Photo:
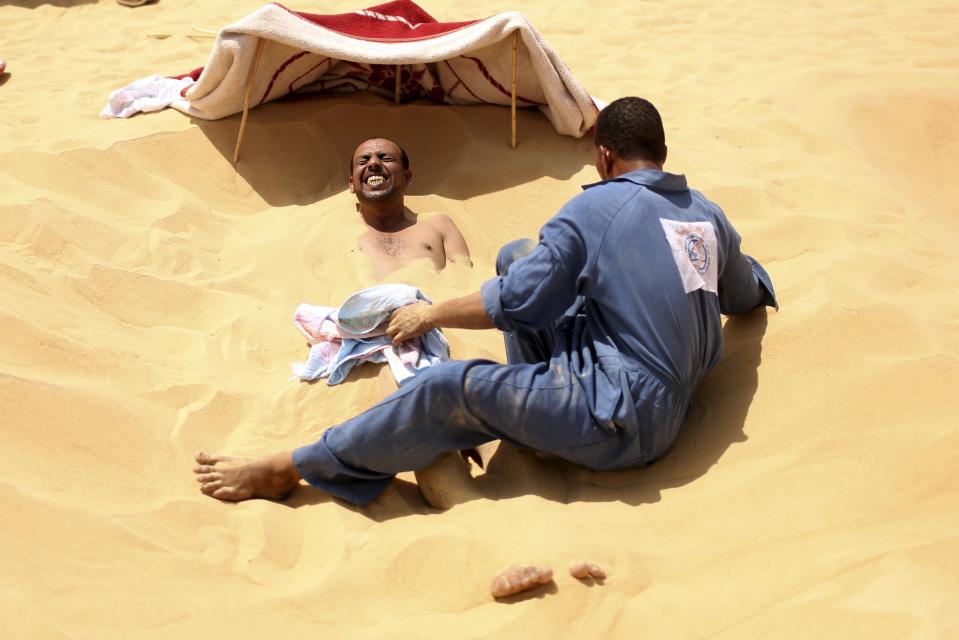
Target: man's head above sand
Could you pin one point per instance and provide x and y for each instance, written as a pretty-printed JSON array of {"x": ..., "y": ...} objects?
[
  {"x": 379, "y": 172},
  {"x": 379, "y": 176}
]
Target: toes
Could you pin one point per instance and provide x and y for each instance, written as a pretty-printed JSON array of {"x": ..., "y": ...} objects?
[
  {"x": 209, "y": 488},
  {"x": 216, "y": 489},
  {"x": 210, "y": 458},
  {"x": 229, "y": 493},
  {"x": 208, "y": 477},
  {"x": 203, "y": 468}
]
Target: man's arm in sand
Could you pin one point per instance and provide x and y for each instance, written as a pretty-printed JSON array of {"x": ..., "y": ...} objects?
[
  {"x": 454, "y": 244},
  {"x": 414, "y": 320}
]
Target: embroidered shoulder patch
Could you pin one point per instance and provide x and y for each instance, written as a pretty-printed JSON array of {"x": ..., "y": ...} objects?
[{"x": 695, "y": 251}]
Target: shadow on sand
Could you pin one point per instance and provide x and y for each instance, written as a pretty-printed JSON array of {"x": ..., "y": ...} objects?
[
  {"x": 714, "y": 423},
  {"x": 34, "y": 4},
  {"x": 297, "y": 150}
]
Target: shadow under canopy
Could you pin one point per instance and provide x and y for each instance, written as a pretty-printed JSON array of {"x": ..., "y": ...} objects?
[{"x": 297, "y": 150}]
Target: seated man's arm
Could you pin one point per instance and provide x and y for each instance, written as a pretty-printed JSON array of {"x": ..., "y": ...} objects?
[
  {"x": 414, "y": 320},
  {"x": 535, "y": 291},
  {"x": 744, "y": 283},
  {"x": 538, "y": 288},
  {"x": 454, "y": 244}
]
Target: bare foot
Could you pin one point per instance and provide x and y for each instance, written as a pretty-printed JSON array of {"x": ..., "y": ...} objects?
[
  {"x": 584, "y": 570},
  {"x": 447, "y": 482},
  {"x": 235, "y": 479},
  {"x": 515, "y": 579}
]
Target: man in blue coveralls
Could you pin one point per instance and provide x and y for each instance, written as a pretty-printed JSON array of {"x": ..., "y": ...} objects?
[{"x": 611, "y": 321}]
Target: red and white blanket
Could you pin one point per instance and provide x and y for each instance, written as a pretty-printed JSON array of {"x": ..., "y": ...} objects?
[{"x": 448, "y": 62}]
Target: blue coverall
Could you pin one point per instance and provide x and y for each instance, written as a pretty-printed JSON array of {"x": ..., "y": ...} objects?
[{"x": 611, "y": 321}]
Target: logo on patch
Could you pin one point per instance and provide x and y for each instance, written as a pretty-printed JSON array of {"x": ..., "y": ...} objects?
[
  {"x": 693, "y": 247},
  {"x": 697, "y": 251}
]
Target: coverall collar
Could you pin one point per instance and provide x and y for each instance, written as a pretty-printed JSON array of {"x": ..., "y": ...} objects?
[{"x": 652, "y": 178}]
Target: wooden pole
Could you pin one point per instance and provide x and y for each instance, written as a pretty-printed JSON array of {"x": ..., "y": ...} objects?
[
  {"x": 396, "y": 97},
  {"x": 246, "y": 102},
  {"x": 512, "y": 98}
]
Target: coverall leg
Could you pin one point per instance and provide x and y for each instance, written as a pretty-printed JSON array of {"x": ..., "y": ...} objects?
[{"x": 458, "y": 405}]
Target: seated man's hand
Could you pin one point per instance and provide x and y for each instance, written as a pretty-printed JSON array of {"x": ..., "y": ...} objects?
[{"x": 410, "y": 322}]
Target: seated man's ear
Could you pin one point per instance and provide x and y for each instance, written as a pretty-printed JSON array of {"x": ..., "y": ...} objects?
[
  {"x": 604, "y": 161},
  {"x": 409, "y": 176},
  {"x": 352, "y": 188}
]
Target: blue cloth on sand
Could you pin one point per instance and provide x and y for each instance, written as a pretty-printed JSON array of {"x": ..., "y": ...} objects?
[{"x": 360, "y": 323}]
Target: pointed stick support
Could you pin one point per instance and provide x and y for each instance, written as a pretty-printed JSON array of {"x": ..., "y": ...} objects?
[
  {"x": 396, "y": 96},
  {"x": 512, "y": 97},
  {"x": 246, "y": 102}
]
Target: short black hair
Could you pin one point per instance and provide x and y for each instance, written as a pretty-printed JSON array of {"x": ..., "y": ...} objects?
[
  {"x": 404, "y": 159},
  {"x": 633, "y": 128}
]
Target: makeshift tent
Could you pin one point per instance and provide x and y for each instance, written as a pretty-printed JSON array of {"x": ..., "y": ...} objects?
[{"x": 396, "y": 49}]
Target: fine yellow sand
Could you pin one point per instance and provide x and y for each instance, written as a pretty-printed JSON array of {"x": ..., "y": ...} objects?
[{"x": 147, "y": 287}]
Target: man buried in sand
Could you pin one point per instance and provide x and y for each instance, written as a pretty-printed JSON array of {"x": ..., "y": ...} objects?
[
  {"x": 611, "y": 321},
  {"x": 379, "y": 175}
]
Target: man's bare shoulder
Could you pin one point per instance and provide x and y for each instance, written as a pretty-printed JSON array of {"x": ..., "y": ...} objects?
[
  {"x": 454, "y": 244},
  {"x": 429, "y": 224},
  {"x": 439, "y": 221}
]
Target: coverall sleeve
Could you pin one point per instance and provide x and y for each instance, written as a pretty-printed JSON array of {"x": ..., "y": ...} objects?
[
  {"x": 744, "y": 283},
  {"x": 540, "y": 287}
]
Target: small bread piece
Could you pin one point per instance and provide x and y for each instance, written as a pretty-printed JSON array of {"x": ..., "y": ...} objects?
[
  {"x": 583, "y": 570},
  {"x": 514, "y": 579}
]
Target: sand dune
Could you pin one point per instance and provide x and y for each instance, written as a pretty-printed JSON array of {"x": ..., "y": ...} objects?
[{"x": 147, "y": 287}]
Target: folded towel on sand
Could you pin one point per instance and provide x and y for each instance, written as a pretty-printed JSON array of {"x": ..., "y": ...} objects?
[
  {"x": 448, "y": 62},
  {"x": 356, "y": 332},
  {"x": 145, "y": 95}
]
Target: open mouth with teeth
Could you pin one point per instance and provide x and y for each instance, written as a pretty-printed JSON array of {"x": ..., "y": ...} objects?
[{"x": 375, "y": 180}]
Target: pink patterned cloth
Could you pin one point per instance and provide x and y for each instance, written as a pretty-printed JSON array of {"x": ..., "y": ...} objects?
[{"x": 334, "y": 351}]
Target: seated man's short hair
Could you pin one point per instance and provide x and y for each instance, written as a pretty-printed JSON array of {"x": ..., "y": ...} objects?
[{"x": 633, "y": 128}]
